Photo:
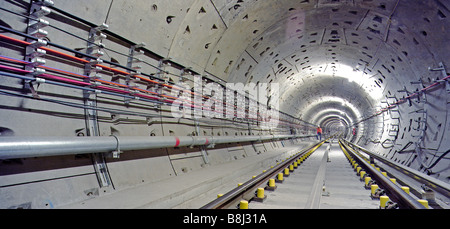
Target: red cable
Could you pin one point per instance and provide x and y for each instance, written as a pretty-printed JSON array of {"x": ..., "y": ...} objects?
[
  {"x": 110, "y": 69},
  {"x": 14, "y": 39},
  {"x": 48, "y": 76},
  {"x": 49, "y": 50}
]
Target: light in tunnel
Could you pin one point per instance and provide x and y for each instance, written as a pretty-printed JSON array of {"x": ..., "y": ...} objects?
[
  {"x": 337, "y": 100},
  {"x": 355, "y": 75},
  {"x": 335, "y": 125},
  {"x": 331, "y": 111}
]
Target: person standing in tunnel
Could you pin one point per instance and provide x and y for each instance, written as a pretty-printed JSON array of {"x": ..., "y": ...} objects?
[{"x": 319, "y": 133}]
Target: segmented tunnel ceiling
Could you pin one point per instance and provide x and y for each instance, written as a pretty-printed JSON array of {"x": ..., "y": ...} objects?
[
  {"x": 357, "y": 52},
  {"x": 310, "y": 47},
  {"x": 337, "y": 62},
  {"x": 314, "y": 47}
]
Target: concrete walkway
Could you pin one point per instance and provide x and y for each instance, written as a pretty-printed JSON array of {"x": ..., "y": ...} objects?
[
  {"x": 192, "y": 190},
  {"x": 345, "y": 189}
]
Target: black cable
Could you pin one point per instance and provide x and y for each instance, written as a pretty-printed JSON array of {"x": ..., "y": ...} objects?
[
  {"x": 105, "y": 61},
  {"x": 437, "y": 161},
  {"x": 75, "y": 105},
  {"x": 31, "y": 79},
  {"x": 404, "y": 148},
  {"x": 152, "y": 53},
  {"x": 117, "y": 111},
  {"x": 84, "y": 54}
]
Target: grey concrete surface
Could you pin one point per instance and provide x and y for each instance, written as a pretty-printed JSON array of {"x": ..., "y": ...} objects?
[
  {"x": 192, "y": 190},
  {"x": 337, "y": 64},
  {"x": 343, "y": 189}
]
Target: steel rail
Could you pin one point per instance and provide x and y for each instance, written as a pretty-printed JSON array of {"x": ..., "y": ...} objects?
[
  {"x": 27, "y": 147},
  {"x": 248, "y": 188},
  {"x": 431, "y": 182},
  {"x": 395, "y": 192}
]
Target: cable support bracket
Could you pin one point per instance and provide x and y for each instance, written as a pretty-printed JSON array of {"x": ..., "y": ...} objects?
[
  {"x": 445, "y": 75},
  {"x": 116, "y": 153},
  {"x": 34, "y": 55}
]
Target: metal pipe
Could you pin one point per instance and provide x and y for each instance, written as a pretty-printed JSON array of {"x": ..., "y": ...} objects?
[{"x": 26, "y": 147}]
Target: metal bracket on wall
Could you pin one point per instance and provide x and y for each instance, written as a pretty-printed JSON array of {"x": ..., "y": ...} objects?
[
  {"x": 91, "y": 69},
  {"x": 101, "y": 170},
  {"x": 33, "y": 54},
  {"x": 422, "y": 130},
  {"x": 185, "y": 72},
  {"x": 407, "y": 94},
  {"x": 202, "y": 148},
  {"x": 133, "y": 63},
  {"x": 445, "y": 75},
  {"x": 441, "y": 68},
  {"x": 161, "y": 72},
  {"x": 116, "y": 153}
]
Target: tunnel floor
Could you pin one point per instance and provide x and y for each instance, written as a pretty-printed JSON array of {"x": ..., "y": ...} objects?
[
  {"x": 191, "y": 190},
  {"x": 343, "y": 189}
]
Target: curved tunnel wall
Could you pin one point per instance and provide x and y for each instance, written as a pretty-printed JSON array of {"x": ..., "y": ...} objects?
[{"x": 332, "y": 61}]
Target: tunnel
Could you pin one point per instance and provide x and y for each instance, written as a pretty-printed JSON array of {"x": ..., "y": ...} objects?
[{"x": 103, "y": 101}]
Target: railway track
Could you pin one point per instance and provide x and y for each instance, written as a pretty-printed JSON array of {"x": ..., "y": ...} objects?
[
  {"x": 246, "y": 191},
  {"x": 331, "y": 174}
]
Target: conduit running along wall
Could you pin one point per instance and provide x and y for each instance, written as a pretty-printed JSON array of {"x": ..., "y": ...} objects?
[{"x": 26, "y": 147}]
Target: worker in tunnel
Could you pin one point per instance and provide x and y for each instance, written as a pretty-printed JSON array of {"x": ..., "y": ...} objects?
[{"x": 319, "y": 133}]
